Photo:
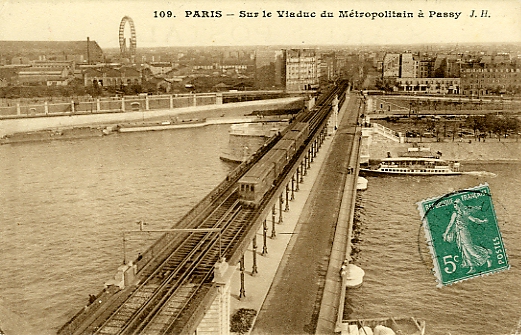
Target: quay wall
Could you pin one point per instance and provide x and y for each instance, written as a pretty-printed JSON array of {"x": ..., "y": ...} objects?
[
  {"x": 30, "y": 124},
  {"x": 491, "y": 150}
]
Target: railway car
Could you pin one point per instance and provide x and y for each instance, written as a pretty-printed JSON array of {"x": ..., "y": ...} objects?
[
  {"x": 303, "y": 129},
  {"x": 299, "y": 132},
  {"x": 287, "y": 146},
  {"x": 261, "y": 177},
  {"x": 252, "y": 186}
]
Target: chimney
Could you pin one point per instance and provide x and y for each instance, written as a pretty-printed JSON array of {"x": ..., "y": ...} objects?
[{"x": 88, "y": 50}]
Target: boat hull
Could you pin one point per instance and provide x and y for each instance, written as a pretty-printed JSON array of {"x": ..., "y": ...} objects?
[
  {"x": 403, "y": 325},
  {"x": 377, "y": 173}
]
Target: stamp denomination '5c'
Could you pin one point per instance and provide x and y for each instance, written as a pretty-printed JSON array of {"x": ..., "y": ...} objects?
[{"x": 463, "y": 235}]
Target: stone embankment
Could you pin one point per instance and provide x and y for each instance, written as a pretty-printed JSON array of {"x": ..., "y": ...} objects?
[
  {"x": 238, "y": 109},
  {"x": 491, "y": 150}
]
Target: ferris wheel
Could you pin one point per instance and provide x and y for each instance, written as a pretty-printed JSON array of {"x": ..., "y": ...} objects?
[{"x": 130, "y": 50}]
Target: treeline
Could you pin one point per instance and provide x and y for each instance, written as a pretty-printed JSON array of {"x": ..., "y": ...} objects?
[
  {"x": 500, "y": 125},
  {"x": 17, "y": 92},
  {"x": 72, "y": 90}
]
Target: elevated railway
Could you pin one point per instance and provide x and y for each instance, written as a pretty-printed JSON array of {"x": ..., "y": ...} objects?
[{"x": 174, "y": 283}]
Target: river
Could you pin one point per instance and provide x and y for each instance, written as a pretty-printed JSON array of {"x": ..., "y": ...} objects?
[
  {"x": 65, "y": 204},
  {"x": 393, "y": 252}
]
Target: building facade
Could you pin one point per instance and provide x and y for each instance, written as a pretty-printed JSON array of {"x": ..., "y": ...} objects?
[
  {"x": 404, "y": 65},
  {"x": 425, "y": 68},
  {"x": 268, "y": 68},
  {"x": 301, "y": 72},
  {"x": 111, "y": 77},
  {"x": 408, "y": 66},
  {"x": 497, "y": 80},
  {"x": 328, "y": 67},
  {"x": 391, "y": 65},
  {"x": 429, "y": 85}
]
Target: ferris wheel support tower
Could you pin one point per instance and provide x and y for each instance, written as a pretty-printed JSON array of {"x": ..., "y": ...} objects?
[{"x": 130, "y": 50}]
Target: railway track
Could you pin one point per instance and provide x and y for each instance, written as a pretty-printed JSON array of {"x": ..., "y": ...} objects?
[
  {"x": 159, "y": 300},
  {"x": 323, "y": 106},
  {"x": 163, "y": 323},
  {"x": 180, "y": 275}
]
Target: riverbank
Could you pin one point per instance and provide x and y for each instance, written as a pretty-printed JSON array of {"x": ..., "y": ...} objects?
[
  {"x": 51, "y": 135},
  {"x": 237, "y": 110},
  {"x": 103, "y": 130},
  {"x": 491, "y": 150}
]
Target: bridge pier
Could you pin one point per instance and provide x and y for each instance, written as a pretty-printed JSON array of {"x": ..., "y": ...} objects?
[{"x": 216, "y": 320}]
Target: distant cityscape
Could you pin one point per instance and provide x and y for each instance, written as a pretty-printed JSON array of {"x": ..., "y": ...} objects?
[{"x": 69, "y": 68}]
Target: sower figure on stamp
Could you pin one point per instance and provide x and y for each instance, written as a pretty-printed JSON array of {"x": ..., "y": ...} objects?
[{"x": 472, "y": 255}]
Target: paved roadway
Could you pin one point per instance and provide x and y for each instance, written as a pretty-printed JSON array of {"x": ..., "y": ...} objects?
[{"x": 293, "y": 302}]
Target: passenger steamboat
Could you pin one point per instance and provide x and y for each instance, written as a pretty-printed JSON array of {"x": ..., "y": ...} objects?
[
  {"x": 413, "y": 166},
  {"x": 414, "y": 162}
]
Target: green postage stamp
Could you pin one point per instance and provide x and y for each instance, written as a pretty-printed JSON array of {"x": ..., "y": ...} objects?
[{"x": 463, "y": 235}]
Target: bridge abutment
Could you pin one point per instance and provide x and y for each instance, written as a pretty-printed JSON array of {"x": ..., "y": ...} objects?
[{"x": 216, "y": 320}]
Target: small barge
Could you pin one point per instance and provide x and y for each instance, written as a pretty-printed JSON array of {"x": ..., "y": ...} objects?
[{"x": 164, "y": 125}]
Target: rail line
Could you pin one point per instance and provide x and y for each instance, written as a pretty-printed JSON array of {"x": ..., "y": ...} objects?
[{"x": 180, "y": 275}]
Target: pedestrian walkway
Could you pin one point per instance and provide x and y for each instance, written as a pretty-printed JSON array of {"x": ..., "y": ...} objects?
[{"x": 287, "y": 291}]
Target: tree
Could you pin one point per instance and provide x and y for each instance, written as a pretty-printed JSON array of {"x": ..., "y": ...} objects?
[
  {"x": 383, "y": 84},
  {"x": 502, "y": 125},
  {"x": 476, "y": 123},
  {"x": 512, "y": 124}
]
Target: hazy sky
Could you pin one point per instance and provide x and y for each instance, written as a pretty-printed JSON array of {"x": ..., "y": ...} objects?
[{"x": 77, "y": 19}]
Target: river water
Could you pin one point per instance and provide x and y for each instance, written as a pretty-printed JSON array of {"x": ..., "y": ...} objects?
[
  {"x": 393, "y": 252},
  {"x": 65, "y": 204}
]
